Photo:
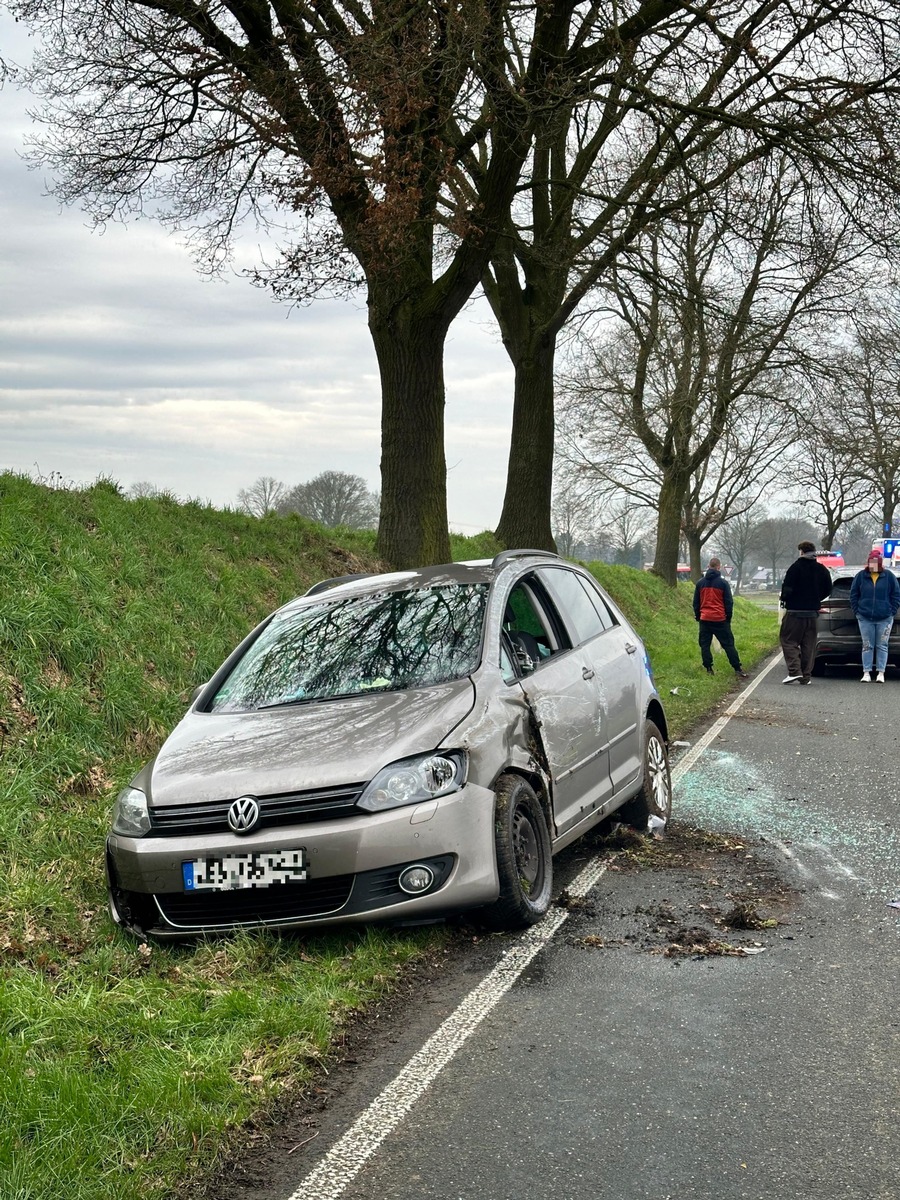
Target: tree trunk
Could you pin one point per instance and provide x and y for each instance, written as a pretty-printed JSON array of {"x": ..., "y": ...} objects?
[
  {"x": 525, "y": 519},
  {"x": 412, "y": 530},
  {"x": 668, "y": 525},
  {"x": 695, "y": 552}
]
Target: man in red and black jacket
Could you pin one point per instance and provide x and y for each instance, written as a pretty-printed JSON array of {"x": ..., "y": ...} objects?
[{"x": 713, "y": 605}]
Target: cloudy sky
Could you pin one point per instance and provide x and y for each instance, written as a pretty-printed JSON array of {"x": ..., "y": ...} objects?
[{"x": 119, "y": 359}]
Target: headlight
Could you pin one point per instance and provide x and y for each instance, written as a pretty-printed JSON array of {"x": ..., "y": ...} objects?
[
  {"x": 130, "y": 814},
  {"x": 412, "y": 780}
]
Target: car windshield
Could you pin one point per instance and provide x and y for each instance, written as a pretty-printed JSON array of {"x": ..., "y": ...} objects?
[{"x": 374, "y": 643}]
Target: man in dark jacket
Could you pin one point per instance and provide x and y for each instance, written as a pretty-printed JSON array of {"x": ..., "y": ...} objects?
[
  {"x": 712, "y": 608},
  {"x": 805, "y": 585}
]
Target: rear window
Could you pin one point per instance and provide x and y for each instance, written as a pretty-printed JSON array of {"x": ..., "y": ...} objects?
[{"x": 381, "y": 643}]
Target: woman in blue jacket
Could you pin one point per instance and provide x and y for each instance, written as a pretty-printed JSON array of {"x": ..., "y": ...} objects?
[{"x": 875, "y": 598}]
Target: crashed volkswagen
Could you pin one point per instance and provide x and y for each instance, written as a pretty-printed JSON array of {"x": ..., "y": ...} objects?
[{"x": 394, "y": 748}]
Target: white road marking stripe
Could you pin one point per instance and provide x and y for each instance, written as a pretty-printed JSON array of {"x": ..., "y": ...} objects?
[
  {"x": 349, "y": 1154},
  {"x": 716, "y": 728},
  {"x": 586, "y": 878}
]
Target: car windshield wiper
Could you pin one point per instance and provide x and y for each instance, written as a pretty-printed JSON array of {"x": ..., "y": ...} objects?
[{"x": 316, "y": 699}]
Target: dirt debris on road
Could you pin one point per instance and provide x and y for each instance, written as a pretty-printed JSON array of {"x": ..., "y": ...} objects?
[{"x": 692, "y": 894}]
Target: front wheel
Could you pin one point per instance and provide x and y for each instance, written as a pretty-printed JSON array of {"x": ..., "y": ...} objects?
[
  {"x": 524, "y": 862},
  {"x": 655, "y": 797}
]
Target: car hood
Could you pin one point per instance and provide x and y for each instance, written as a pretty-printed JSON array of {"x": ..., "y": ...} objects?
[{"x": 211, "y": 756}]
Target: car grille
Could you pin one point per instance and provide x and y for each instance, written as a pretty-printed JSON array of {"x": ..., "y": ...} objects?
[
  {"x": 293, "y": 808},
  {"x": 281, "y": 902}
]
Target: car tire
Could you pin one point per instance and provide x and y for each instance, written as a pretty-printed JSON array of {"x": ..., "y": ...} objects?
[
  {"x": 655, "y": 796},
  {"x": 524, "y": 860}
]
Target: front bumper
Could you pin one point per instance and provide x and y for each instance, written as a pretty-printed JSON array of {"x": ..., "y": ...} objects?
[{"x": 353, "y": 866}]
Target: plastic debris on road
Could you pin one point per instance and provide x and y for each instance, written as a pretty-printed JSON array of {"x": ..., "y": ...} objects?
[{"x": 656, "y": 826}]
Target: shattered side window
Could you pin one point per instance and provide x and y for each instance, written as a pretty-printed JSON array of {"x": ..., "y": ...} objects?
[{"x": 375, "y": 643}]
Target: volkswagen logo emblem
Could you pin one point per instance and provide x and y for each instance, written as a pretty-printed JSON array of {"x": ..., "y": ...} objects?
[{"x": 243, "y": 814}]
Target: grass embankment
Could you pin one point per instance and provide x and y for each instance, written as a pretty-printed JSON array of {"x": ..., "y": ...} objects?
[{"x": 125, "y": 1066}]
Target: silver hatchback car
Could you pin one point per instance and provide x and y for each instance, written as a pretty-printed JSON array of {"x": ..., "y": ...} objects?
[{"x": 394, "y": 748}]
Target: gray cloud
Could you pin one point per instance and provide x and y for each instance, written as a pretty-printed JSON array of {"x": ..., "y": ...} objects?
[{"x": 119, "y": 358}]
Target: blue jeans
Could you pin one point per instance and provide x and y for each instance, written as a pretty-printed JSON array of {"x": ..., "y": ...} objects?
[{"x": 875, "y": 636}]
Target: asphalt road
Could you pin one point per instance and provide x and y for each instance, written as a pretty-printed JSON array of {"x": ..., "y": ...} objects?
[{"x": 633, "y": 1075}]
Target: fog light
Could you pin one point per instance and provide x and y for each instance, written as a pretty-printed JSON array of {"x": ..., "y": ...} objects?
[{"x": 416, "y": 879}]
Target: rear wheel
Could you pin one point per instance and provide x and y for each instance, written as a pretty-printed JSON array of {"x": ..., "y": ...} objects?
[
  {"x": 655, "y": 797},
  {"x": 524, "y": 862}
]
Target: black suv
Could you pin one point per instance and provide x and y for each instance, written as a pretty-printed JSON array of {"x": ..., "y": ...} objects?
[{"x": 838, "y": 640}]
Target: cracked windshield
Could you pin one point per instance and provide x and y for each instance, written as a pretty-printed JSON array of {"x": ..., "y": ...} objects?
[{"x": 379, "y": 643}]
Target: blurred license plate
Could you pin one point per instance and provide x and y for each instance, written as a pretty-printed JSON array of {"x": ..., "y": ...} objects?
[{"x": 243, "y": 871}]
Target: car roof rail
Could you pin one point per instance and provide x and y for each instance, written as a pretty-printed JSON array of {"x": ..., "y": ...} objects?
[
  {"x": 506, "y": 556},
  {"x": 325, "y": 584}
]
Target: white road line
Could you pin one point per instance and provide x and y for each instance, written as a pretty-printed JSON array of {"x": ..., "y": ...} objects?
[
  {"x": 349, "y": 1154},
  {"x": 716, "y": 728},
  {"x": 346, "y": 1158}
]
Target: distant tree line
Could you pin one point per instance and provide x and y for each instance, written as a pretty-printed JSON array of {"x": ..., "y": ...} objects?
[{"x": 332, "y": 498}]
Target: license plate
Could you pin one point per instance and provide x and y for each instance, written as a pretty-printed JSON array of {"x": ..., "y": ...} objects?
[{"x": 243, "y": 871}]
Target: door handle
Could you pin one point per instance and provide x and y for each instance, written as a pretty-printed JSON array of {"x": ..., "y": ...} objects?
[
  {"x": 630, "y": 648},
  {"x": 587, "y": 673}
]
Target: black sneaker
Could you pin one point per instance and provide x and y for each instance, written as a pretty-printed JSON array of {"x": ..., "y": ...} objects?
[
  {"x": 742, "y": 674},
  {"x": 709, "y": 671}
]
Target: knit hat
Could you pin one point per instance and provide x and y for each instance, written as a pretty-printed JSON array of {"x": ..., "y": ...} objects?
[{"x": 875, "y": 556}]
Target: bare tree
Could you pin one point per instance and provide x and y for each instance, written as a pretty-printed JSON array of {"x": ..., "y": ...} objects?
[
  {"x": 628, "y": 525},
  {"x": 776, "y": 540},
  {"x": 855, "y": 541},
  {"x": 735, "y": 541},
  {"x": 261, "y": 497},
  {"x": 142, "y": 489},
  {"x": 736, "y": 475},
  {"x": 701, "y": 99},
  {"x": 872, "y": 391},
  {"x": 823, "y": 466},
  {"x": 686, "y": 358},
  {"x": 333, "y": 498},
  {"x": 346, "y": 122},
  {"x": 574, "y": 512}
]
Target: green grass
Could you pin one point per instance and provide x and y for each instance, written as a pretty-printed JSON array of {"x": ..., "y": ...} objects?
[
  {"x": 127, "y": 1068},
  {"x": 665, "y": 620}
]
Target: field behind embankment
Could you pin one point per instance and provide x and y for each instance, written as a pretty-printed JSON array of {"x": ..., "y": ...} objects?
[{"x": 126, "y": 1066}]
